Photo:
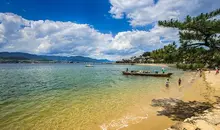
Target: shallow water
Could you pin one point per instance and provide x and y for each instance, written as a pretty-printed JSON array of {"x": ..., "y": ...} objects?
[{"x": 71, "y": 96}]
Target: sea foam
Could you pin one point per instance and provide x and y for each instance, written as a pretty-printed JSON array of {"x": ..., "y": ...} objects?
[{"x": 123, "y": 122}]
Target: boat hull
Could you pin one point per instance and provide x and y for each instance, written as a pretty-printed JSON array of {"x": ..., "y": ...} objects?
[
  {"x": 89, "y": 66},
  {"x": 146, "y": 74}
]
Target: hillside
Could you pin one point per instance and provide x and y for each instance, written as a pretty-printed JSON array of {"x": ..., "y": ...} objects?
[{"x": 14, "y": 57}]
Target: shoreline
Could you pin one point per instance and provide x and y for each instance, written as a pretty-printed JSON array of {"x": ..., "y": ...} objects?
[
  {"x": 181, "y": 106},
  {"x": 209, "y": 117},
  {"x": 172, "y": 92}
]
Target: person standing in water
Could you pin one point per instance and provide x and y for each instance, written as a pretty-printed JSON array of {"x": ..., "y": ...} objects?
[
  {"x": 127, "y": 70},
  {"x": 163, "y": 70},
  {"x": 167, "y": 83},
  {"x": 200, "y": 72},
  {"x": 179, "y": 81},
  {"x": 217, "y": 70}
]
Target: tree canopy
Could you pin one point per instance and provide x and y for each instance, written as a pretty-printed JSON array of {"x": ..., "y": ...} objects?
[
  {"x": 167, "y": 54},
  {"x": 202, "y": 30},
  {"x": 200, "y": 43}
]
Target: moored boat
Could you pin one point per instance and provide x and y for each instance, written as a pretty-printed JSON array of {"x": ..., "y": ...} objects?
[
  {"x": 89, "y": 65},
  {"x": 136, "y": 73}
]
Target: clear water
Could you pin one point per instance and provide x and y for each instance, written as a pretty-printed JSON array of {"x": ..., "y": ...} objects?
[{"x": 72, "y": 96}]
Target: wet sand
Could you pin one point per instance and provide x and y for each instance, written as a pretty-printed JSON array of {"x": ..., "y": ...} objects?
[
  {"x": 155, "y": 122},
  {"x": 208, "y": 118}
]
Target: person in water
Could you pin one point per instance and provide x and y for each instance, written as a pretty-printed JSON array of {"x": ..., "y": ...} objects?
[
  {"x": 127, "y": 70},
  {"x": 163, "y": 70},
  {"x": 216, "y": 70},
  {"x": 167, "y": 83},
  {"x": 200, "y": 72},
  {"x": 179, "y": 81}
]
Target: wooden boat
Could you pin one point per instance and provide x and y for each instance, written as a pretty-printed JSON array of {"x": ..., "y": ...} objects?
[{"x": 136, "y": 73}]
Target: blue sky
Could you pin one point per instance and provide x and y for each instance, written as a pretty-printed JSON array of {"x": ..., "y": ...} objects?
[
  {"x": 93, "y": 12},
  {"x": 112, "y": 29}
]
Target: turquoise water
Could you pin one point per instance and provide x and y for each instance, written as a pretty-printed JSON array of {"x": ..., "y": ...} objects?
[{"x": 72, "y": 96}]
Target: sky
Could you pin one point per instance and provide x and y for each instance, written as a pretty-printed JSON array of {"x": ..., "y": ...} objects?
[{"x": 102, "y": 29}]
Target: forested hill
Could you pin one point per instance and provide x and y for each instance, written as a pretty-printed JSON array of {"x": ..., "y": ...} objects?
[{"x": 25, "y": 57}]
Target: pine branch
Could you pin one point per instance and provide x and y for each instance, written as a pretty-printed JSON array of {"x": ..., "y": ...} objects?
[
  {"x": 191, "y": 36},
  {"x": 200, "y": 28},
  {"x": 196, "y": 44}
]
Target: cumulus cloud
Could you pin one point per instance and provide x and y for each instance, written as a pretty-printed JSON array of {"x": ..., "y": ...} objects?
[
  {"x": 49, "y": 37},
  {"x": 143, "y": 12},
  {"x": 67, "y": 38},
  {"x": 136, "y": 42}
]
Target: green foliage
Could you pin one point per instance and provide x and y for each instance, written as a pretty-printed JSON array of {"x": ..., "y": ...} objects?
[
  {"x": 199, "y": 38},
  {"x": 193, "y": 55},
  {"x": 193, "y": 66},
  {"x": 146, "y": 54},
  {"x": 198, "y": 31},
  {"x": 167, "y": 54},
  {"x": 200, "y": 43}
]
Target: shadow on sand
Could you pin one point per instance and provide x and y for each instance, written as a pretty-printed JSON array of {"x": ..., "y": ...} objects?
[{"x": 179, "y": 110}]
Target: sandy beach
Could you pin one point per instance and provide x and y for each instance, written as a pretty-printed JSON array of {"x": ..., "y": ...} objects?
[
  {"x": 180, "y": 103},
  {"x": 209, "y": 101},
  {"x": 213, "y": 80}
]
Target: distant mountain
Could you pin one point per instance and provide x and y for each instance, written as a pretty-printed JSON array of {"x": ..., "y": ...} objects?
[{"x": 18, "y": 56}]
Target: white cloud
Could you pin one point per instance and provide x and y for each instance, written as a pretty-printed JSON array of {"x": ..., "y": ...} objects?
[
  {"x": 49, "y": 37},
  {"x": 122, "y": 6},
  {"x": 143, "y": 12},
  {"x": 67, "y": 38},
  {"x": 136, "y": 42}
]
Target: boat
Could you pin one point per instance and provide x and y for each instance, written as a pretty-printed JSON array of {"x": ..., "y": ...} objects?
[
  {"x": 140, "y": 73},
  {"x": 89, "y": 65}
]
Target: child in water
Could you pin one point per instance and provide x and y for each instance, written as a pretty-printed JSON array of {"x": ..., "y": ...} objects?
[
  {"x": 200, "y": 72},
  {"x": 217, "y": 70},
  {"x": 167, "y": 83},
  {"x": 163, "y": 70},
  {"x": 179, "y": 81}
]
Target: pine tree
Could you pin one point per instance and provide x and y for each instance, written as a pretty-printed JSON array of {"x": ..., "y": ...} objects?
[{"x": 199, "y": 31}]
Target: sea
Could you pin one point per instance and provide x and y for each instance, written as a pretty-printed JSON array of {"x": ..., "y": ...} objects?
[{"x": 75, "y": 97}]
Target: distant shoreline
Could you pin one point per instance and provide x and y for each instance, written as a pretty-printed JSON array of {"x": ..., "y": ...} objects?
[{"x": 157, "y": 64}]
